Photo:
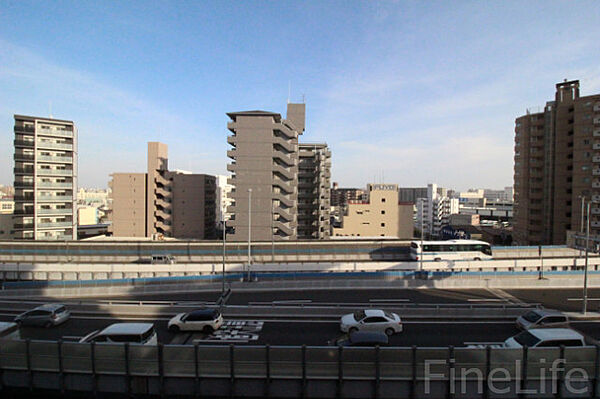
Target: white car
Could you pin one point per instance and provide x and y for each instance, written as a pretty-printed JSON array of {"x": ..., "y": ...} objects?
[
  {"x": 545, "y": 337},
  {"x": 371, "y": 320},
  {"x": 542, "y": 318},
  {"x": 135, "y": 333},
  {"x": 206, "y": 320}
]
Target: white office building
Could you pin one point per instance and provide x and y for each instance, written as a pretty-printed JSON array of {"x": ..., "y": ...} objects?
[{"x": 434, "y": 211}]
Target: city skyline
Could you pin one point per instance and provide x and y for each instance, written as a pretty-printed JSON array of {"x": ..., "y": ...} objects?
[{"x": 432, "y": 89}]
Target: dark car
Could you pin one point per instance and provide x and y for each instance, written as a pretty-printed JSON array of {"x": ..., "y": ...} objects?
[{"x": 362, "y": 338}]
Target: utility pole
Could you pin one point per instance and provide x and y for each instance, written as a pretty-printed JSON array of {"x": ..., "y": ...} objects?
[
  {"x": 585, "y": 270},
  {"x": 541, "y": 276},
  {"x": 422, "y": 219},
  {"x": 223, "y": 277},
  {"x": 249, "y": 230},
  {"x": 272, "y": 234}
]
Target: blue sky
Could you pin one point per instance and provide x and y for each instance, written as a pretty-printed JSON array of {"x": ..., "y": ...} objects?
[{"x": 403, "y": 91}]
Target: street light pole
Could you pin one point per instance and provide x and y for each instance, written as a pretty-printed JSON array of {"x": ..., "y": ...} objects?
[
  {"x": 272, "y": 235},
  {"x": 249, "y": 229},
  {"x": 223, "y": 277},
  {"x": 422, "y": 218},
  {"x": 585, "y": 270}
]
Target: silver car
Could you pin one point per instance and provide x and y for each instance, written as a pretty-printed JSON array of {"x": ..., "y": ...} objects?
[
  {"x": 371, "y": 320},
  {"x": 48, "y": 315},
  {"x": 542, "y": 318},
  {"x": 135, "y": 333}
]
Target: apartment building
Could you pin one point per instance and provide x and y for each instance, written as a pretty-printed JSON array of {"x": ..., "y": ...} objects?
[
  {"x": 264, "y": 170},
  {"x": 411, "y": 194},
  {"x": 7, "y": 207},
  {"x": 314, "y": 191},
  {"x": 557, "y": 162},
  {"x": 45, "y": 179},
  {"x": 341, "y": 196},
  {"x": 433, "y": 212},
  {"x": 163, "y": 203},
  {"x": 380, "y": 215}
]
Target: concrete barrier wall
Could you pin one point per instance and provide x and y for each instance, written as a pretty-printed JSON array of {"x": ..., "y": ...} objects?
[
  {"x": 102, "y": 271},
  {"x": 297, "y": 372}
]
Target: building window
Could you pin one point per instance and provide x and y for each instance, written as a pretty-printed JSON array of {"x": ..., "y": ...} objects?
[
  {"x": 383, "y": 212},
  {"x": 383, "y": 200},
  {"x": 382, "y": 224}
]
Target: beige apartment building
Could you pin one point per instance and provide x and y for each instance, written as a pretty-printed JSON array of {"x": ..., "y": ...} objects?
[
  {"x": 314, "y": 191},
  {"x": 557, "y": 161},
  {"x": 45, "y": 179},
  {"x": 381, "y": 215},
  {"x": 163, "y": 203}
]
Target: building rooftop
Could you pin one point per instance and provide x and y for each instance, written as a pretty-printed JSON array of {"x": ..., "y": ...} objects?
[
  {"x": 33, "y": 118},
  {"x": 234, "y": 115}
]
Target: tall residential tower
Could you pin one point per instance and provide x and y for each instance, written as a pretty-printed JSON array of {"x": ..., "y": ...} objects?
[
  {"x": 557, "y": 162},
  {"x": 45, "y": 179}
]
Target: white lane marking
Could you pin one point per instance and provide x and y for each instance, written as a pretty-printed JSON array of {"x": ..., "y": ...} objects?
[
  {"x": 505, "y": 296},
  {"x": 482, "y": 343},
  {"x": 485, "y": 300},
  {"x": 581, "y": 299},
  {"x": 390, "y": 300}
]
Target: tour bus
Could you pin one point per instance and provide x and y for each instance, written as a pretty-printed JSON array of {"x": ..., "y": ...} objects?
[{"x": 451, "y": 250}]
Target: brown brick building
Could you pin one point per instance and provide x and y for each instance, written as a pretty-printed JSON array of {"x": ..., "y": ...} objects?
[{"x": 557, "y": 161}]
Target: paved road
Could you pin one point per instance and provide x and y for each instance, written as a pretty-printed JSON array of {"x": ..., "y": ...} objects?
[{"x": 434, "y": 334}]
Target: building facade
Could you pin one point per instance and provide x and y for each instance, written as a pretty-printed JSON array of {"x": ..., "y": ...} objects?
[
  {"x": 557, "y": 162},
  {"x": 45, "y": 179},
  {"x": 265, "y": 173},
  {"x": 433, "y": 212},
  {"x": 381, "y": 215},
  {"x": 314, "y": 191},
  {"x": 163, "y": 203},
  {"x": 341, "y": 196}
]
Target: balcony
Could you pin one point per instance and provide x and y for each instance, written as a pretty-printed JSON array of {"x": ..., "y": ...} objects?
[
  {"x": 54, "y": 225},
  {"x": 54, "y": 146},
  {"x": 596, "y": 158},
  {"x": 596, "y": 132},
  {"x": 24, "y": 157},
  {"x": 284, "y": 171},
  {"x": 232, "y": 140},
  {"x": 287, "y": 131},
  {"x": 595, "y": 211},
  {"x": 596, "y": 198},
  {"x": 283, "y": 227},
  {"x": 231, "y": 126},
  {"x": 231, "y": 167},
  {"x": 55, "y": 172},
  {"x": 596, "y": 184},
  {"x": 55, "y": 158},
  {"x": 59, "y": 211},
  {"x": 24, "y": 198},
  {"x": 26, "y": 129},
  {"x": 596, "y": 146},
  {"x": 23, "y": 171},
  {"x": 54, "y": 198},
  {"x": 21, "y": 184},
  {"x": 163, "y": 203},
  {"x": 288, "y": 145},
  {"x": 597, "y": 108},
  {"x": 284, "y": 199},
  {"x": 24, "y": 143},
  {"x": 162, "y": 191},
  {"x": 595, "y": 224},
  {"x": 54, "y": 185},
  {"x": 285, "y": 185},
  {"x": 54, "y": 132},
  {"x": 28, "y": 211},
  {"x": 596, "y": 172},
  {"x": 287, "y": 159},
  {"x": 23, "y": 226},
  {"x": 232, "y": 153}
]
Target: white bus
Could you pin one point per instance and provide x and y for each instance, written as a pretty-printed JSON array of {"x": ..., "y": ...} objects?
[{"x": 451, "y": 250}]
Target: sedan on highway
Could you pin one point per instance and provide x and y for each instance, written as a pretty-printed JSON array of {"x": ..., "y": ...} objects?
[
  {"x": 371, "y": 320},
  {"x": 48, "y": 315},
  {"x": 206, "y": 320},
  {"x": 542, "y": 318},
  {"x": 545, "y": 337}
]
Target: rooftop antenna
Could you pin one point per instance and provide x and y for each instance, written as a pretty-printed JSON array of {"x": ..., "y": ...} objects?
[
  {"x": 289, "y": 90},
  {"x": 50, "y": 108}
]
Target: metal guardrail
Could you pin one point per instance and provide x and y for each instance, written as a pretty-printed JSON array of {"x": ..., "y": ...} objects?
[{"x": 305, "y": 371}]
